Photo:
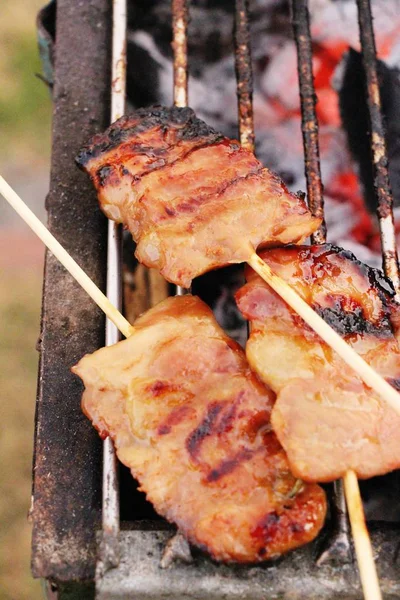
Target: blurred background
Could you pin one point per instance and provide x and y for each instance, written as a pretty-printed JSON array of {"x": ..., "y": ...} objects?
[{"x": 25, "y": 118}]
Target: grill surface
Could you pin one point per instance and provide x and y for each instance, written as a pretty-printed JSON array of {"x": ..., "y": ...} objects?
[
  {"x": 67, "y": 462},
  {"x": 378, "y": 147},
  {"x": 338, "y": 545},
  {"x": 67, "y": 478}
]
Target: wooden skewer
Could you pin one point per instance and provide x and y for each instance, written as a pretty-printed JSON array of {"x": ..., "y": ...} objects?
[
  {"x": 65, "y": 259},
  {"x": 362, "y": 542}
]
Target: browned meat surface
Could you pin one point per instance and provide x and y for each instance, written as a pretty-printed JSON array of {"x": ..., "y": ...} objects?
[
  {"x": 326, "y": 419},
  {"x": 192, "y": 422},
  {"x": 192, "y": 199}
]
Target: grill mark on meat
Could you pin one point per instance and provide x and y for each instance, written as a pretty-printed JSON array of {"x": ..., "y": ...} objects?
[
  {"x": 157, "y": 388},
  {"x": 272, "y": 526},
  {"x": 139, "y": 148},
  {"x": 182, "y": 121},
  {"x": 191, "y": 204},
  {"x": 152, "y": 167},
  {"x": 394, "y": 382},
  {"x": 205, "y": 429},
  {"x": 104, "y": 173},
  {"x": 174, "y": 418},
  {"x": 108, "y": 175},
  {"x": 225, "y": 423},
  {"x": 227, "y": 466},
  {"x": 212, "y": 425},
  {"x": 267, "y": 527},
  {"x": 160, "y": 164},
  {"x": 315, "y": 255}
]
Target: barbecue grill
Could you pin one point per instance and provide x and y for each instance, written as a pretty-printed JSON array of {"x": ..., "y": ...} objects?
[{"x": 91, "y": 534}]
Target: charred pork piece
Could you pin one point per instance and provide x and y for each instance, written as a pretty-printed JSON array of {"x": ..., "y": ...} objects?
[
  {"x": 326, "y": 419},
  {"x": 192, "y": 199},
  {"x": 192, "y": 422}
]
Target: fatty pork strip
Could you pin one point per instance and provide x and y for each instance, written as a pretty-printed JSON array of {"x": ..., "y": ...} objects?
[
  {"x": 326, "y": 419},
  {"x": 193, "y": 199},
  {"x": 192, "y": 422}
]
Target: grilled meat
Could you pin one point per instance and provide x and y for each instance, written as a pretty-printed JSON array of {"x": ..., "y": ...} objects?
[
  {"x": 192, "y": 199},
  {"x": 192, "y": 422},
  {"x": 326, "y": 419}
]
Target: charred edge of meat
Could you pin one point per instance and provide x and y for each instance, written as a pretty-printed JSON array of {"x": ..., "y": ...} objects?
[
  {"x": 342, "y": 321},
  {"x": 346, "y": 323},
  {"x": 184, "y": 119},
  {"x": 110, "y": 174},
  {"x": 376, "y": 277},
  {"x": 394, "y": 383}
]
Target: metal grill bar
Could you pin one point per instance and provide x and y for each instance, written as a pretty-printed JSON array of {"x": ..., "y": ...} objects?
[
  {"x": 67, "y": 458},
  {"x": 338, "y": 546},
  {"x": 109, "y": 549},
  {"x": 180, "y": 18},
  {"x": 378, "y": 147},
  {"x": 309, "y": 122},
  {"x": 244, "y": 74},
  {"x": 179, "y": 45}
]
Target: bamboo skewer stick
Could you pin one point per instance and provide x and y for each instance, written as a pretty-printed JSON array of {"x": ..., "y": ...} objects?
[
  {"x": 65, "y": 259},
  {"x": 362, "y": 542}
]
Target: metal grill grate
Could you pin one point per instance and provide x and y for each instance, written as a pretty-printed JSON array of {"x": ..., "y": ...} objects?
[{"x": 137, "y": 572}]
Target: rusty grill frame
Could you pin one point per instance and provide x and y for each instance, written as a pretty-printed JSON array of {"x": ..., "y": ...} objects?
[{"x": 66, "y": 506}]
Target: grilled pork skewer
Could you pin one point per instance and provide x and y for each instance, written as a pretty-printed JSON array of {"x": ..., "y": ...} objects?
[
  {"x": 360, "y": 532},
  {"x": 193, "y": 199},
  {"x": 327, "y": 420},
  {"x": 191, "y": 421}
]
